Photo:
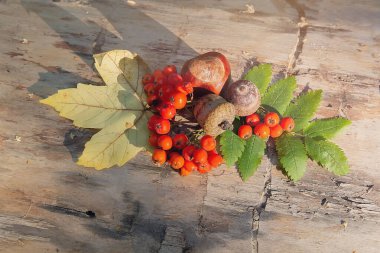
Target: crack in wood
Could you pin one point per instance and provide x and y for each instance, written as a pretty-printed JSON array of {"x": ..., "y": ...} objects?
[
  {"x": 260, "y": 207},
  {"x": 99, "y": 41},
  {"x": 301, "y": 34},
  {"x": 201, "y": 227}
]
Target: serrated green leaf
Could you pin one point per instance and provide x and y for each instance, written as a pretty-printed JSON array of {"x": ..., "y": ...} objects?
[
  {"x": 261, "y": 76},
  {"x": 279, "y": 95},
  {"x": 116, "y": 144},
  {"x": 95, "y": 106},
  {"x": 292, "y": 155},
  {"x": 327, "y": 154},
  {"x": 326, "y": 128},
  {"x": 250, "y": 160},
  {"x": 231, "y": 146},
  {"x": 303, "y": 108},
  {"x": 122, "y": 68},
  {"x": 118, "y": 109}
]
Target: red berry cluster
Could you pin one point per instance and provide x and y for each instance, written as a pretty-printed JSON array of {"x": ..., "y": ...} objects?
[
  {"x": 271, "y": 126},
  {"x": 184, "y": 156},
  {"x": 167, "y": 93}
]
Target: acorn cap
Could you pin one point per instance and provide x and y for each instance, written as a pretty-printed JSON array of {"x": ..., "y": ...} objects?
[
  {"x": 214, "y": 114},
  {"x": 244, "y": 95}
]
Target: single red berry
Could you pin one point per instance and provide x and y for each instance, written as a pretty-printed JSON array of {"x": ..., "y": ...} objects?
[
  {"x": 208, "y": 142},
  {"x": 169, "y": 70},
  {"x": 184, "y": 172},
  {"x": 152, "y": 100},
  {"x": 213, "y": 152},
  {"x": 276, "y": 131},
  {"x": 159, "y": 156},
  {"x": 172, "y": 154},
  {"x": 174, "y": 79},
  {"x": 153, "y": 138},
  {"x": 167, "y": 111},
  {"x": 149, "y": 87},
  {"x": 245, "y": 131},
  {"x": 253, "y": 119},
  {"x": 188, "y": 152},
  {"x": 190, "y": 166},
  {"x": 178, "y": 99},
  {"x": 287, "y": 124},
  {"x": 163, "y": 80},
  {"x": 271, "y": 119},
  {"x": 162, "y": 126},
  {"x": 165, "y": 142},
  {"x": 152, "y": 122},
  {"x": 177, "y": 162},
  {"x": 262, "y": 130},
  {"x": 180, "y": 141},
  {"x": 147, "y": 78},
  {"x": 200, "y": 155},
  {"x": 157, "y": 74},
  {"x": 204, "y": 167},
  {"x": 215, "y": 160}
]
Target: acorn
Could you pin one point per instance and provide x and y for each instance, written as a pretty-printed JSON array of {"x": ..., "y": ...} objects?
[
  {"x": 244, "y": 95},
  {"x": 214, "y": 114},
  {"x": 209, "y": 71}
]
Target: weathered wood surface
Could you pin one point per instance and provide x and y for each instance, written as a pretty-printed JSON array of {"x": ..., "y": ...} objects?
[{"x": 49, "y": 204}]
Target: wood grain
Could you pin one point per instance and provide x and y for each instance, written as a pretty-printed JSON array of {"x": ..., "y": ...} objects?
[{"x": 49, "y": 204}]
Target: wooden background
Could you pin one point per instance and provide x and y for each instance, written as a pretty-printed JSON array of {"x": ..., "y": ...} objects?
[{"x": 49, "y": 204}]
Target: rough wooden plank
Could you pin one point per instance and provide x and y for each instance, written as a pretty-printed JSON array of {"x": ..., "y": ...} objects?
[{"x": 134, "y": 208}]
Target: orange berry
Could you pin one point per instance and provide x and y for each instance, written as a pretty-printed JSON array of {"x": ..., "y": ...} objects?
[
  {"x": 204, "y": 167},
  {"x": 162, "y": 126},
  {"x": 213, "y": 152},
  {"x": 262, "y": 130},
  {"x": 271, "y": 119},
  {"x": 190, "y": 166},
  {"x": 177, "y": 162},
  {"x": 178, "y": 99},
  {"x": 184, "y": 172},
  {"x": 180, "y": 141},
  {"x": 159, "y": 156},
  {"x": 208, "y": 143},
  {"x": 245, "y": 131},
  {"x": 215, "y": 160},
  {"x": 200, "y": 155},
  {"x": 287, "y": 124},
  {"x": 275, "y": 131},
  {"x": 252, "y": 119},
  {"x": 169, "y": 69},
  {"x": 153, "y": 138},
  {"x": 188, "y": 152},
  {"x": 165, "y": 142},
  {"x": 167, "y": 111}
]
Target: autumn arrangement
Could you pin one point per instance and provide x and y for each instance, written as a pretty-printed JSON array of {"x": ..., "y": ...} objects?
[{"x": 197, "y": 119}]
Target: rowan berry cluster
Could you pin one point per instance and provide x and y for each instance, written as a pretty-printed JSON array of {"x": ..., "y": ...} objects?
[
  {"x": 271, "y": 126},
  {"x": 166, "y": 93}
]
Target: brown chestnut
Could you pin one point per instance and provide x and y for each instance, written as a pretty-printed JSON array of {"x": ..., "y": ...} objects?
[{"x": 209, "y": 71}]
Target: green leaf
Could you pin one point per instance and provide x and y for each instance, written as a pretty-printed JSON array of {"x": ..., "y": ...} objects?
[
  {"x": 261, "y": 76},
  {"x": 232, "y": 147},
  {"x": 327, "y": 154},
  {"x": 250, "y": 160},
  {"x": 326, "y": 128},
  {"x": 303, "y": 108},
  {"x": 95, "y": 106},
  {"x": 279, "y": 95},
  {"x": 292, "y": 155},
  {"x": 118, "y": 109}
]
